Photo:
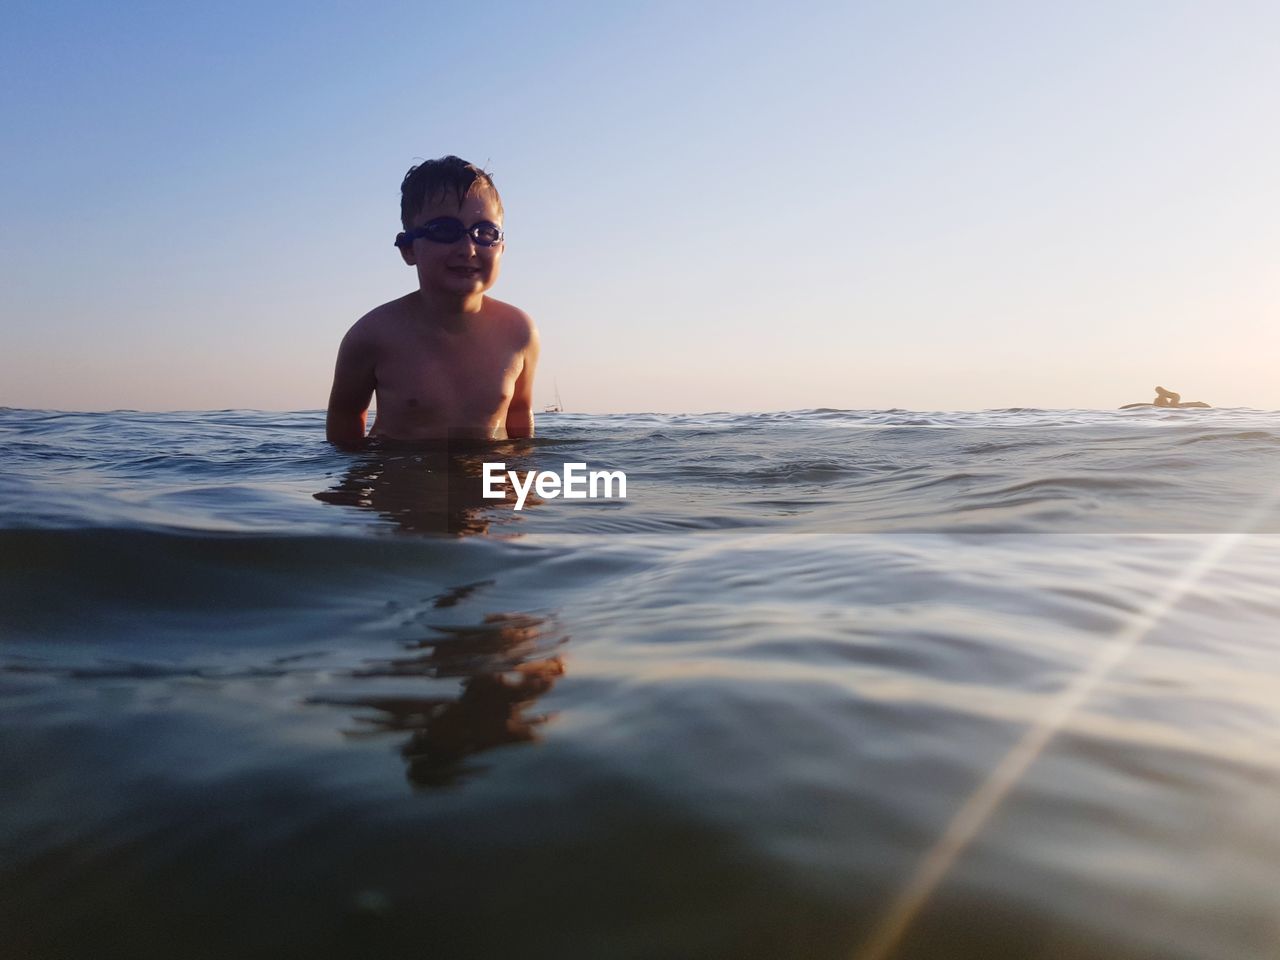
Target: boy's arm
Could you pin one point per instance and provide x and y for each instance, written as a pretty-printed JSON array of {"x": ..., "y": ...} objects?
[
  {"x": 353, "y": 385},
  {"x": 520, "y": 410}
]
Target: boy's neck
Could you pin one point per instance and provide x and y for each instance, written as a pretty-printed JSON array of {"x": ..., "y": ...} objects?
[{"x": 450, "y": 312}]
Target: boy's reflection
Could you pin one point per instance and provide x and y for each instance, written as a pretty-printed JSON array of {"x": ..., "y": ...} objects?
[
  {"x": 506, "y": 663},
  {"x": 430, "y": 487}
]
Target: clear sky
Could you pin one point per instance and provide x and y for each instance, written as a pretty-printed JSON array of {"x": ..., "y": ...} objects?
[{"x": 737, "y": 206}]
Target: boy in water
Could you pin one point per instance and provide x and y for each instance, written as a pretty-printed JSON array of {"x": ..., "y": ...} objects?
[{"x": 446, "y": 361}]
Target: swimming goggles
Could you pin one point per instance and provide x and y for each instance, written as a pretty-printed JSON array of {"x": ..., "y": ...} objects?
[{"x": 483, "y": 233}]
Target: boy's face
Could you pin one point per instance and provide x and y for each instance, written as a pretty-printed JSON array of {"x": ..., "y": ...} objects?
[{"x": 463, "y": 268}]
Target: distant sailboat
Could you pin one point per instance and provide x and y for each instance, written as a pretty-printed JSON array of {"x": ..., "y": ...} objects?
[{"x": 556, "y": 407}]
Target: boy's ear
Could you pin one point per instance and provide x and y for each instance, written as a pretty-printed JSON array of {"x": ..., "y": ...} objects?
[{"x": 406, "y": 251}]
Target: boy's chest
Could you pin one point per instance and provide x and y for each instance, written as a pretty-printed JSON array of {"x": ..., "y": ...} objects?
[{"x": 463, "y": 375}]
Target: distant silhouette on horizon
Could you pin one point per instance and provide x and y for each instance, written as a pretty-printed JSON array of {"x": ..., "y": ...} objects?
[{"x": 1167, "y": 398}]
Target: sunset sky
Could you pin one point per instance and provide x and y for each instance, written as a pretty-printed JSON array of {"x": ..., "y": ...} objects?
[{"x": 735, "y": 206}]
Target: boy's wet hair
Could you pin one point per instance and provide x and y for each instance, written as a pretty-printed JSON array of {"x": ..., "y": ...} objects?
[{"x": 439, "y": 178}]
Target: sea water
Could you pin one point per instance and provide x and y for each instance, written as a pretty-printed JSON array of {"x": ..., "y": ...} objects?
[{"x": 825, "y": 684}]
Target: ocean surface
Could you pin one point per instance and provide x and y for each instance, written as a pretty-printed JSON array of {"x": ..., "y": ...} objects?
[{"x": 825, "y": 684}]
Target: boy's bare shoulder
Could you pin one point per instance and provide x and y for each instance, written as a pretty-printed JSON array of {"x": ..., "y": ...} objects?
[
  {"x": 381, "y": 318},
  {"x": 518, "y": 324}
]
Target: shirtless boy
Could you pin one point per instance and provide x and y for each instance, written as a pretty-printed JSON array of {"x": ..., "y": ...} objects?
[{"x": 446, "y": 361}]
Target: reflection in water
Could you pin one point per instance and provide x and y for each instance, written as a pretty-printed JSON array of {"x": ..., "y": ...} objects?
[
  {"x": 505, "y": 662},
  {"x": 431, "y": 487}
]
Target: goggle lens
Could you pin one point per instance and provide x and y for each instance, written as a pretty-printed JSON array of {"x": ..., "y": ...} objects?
[{"x": 486, "y": 234}]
